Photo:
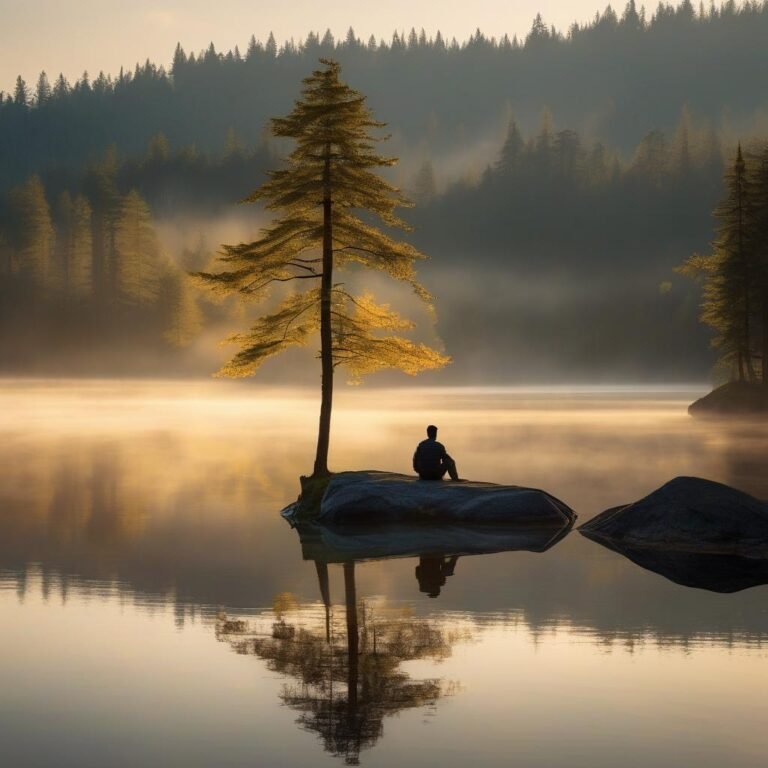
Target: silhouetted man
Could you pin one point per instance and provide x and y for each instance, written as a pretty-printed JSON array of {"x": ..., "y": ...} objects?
[{"x": 431, "y": 461}]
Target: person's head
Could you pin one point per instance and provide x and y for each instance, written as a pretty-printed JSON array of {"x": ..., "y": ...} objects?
[{"x": 432, "y": 432}]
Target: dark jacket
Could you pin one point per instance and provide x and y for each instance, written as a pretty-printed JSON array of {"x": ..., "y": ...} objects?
[{"x": 429, "y": 456}]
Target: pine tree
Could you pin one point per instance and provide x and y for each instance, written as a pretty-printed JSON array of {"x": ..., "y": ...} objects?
[
  {"x": 539, "y": 32},
  {"x": 137, "y": 252},
  {"x": 179, "y": 61},
  {"x": 760, "y": 246},
  {"x": 74, "y": 246},
  {"x": 271, "y": 47},
  {"x": 34, "y": 232},
  {"x": 101, "y": 188},
  {"x": 21, "y": 93},
  {"x": 61, "y": 87},
  {"x": 512, "y": 150},
  {"x": 329, "y": 176},
  {"x": 729, "y": 274},
  {"x": 178, "y": 303},
  {"x": 43, "y": 92}
]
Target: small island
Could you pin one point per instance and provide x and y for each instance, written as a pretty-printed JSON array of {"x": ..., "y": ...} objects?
[
  {"x": 735, "y": 291},
  {"x": 733, "y": 399}
]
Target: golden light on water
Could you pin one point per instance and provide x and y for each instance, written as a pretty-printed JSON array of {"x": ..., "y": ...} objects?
[{"x": 135, "y": 512}]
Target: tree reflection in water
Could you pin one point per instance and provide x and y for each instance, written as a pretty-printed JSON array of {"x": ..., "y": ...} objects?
[{"x": 347, "y": 677}]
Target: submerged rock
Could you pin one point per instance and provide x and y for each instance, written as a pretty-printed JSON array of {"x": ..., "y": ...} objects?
[
  {"x": 375, "y": 498},
  {"x": 733, "y": 399},
  {"x": 688, "y": 514}
]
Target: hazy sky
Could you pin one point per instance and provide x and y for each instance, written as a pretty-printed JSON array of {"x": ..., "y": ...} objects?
[{"x": 92, "y": 35}]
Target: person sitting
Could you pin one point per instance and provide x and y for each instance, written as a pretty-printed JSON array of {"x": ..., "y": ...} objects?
[{"x": 431, "y": 461}]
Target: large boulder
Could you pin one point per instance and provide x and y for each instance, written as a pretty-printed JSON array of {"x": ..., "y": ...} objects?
[
  {"x": 688, "y": 514},
  {"x": 377, "y": 498}
]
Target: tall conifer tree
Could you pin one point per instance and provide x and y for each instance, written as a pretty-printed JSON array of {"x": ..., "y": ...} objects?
[
  {"x": 329, "y": 178},
  {"x": 729, "y": 273},
  {"x": 179, "y": 305},
  {"x": 34, "y": 232},
  {"x": 137, "y": 252},
  {"x": 760, "y": 245},
  {"x": 512, "y": 150},
  {"x": 74, "y": 245}
]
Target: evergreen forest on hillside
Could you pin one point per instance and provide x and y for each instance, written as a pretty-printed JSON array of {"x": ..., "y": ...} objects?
[{"x": 559, "y": 181}]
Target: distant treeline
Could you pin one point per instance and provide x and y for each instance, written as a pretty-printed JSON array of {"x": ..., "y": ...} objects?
[
  {"x": 617, "y": 77},
  {"x": 558, "y": 256},
  {"x": 84, "y": 276},
  {"x": 562, "y": 256}
]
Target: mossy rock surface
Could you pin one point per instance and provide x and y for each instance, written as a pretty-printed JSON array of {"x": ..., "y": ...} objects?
[
  {"x": 375, "y": 498},
  {"x": 307, "y": 506}
]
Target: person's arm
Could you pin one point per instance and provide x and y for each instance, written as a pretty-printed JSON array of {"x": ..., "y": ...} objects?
[{"x": 416, "y": 459}]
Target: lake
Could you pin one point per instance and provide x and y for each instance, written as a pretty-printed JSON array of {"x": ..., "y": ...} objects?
[{"x": 158, "y": 611}]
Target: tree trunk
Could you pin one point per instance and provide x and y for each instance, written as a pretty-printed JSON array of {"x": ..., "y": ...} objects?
[
  {"x": 353, "y": 640},
  {"x": 765, "y": 340},
  {"x": 747, "y": 341},
  {"x": 748, "y": 326},
  {"x": 326, "y": 337}
]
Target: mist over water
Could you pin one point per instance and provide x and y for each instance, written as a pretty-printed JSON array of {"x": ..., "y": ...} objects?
[{"x": 153, "y": 598}]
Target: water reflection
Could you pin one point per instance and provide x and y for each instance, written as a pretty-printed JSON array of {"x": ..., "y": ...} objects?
[
  {"x": 170, "y": 493},
  {"x": 339, "y": 544},
  {"x": 713, "y": 572},
  {"x": 346, "y": 681},
  {"x": 433, "y": 571}
]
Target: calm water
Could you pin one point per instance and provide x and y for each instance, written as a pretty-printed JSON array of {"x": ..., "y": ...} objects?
[{"x": 157, "y": 611}]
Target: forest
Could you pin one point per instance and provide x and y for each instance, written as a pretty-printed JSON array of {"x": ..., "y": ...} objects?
[{"x": 559, "y": 180}]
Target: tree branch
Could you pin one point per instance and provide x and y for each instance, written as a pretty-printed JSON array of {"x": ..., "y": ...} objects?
[
  {"x": 358, "y": 248},
  {"x": 247, "y": 288}
]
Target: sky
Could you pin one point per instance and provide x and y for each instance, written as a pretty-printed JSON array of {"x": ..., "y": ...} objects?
[{"x": 96, "y": 35}]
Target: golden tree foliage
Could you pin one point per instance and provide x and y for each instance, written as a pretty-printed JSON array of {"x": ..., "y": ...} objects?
[
  {"x": 328, "y": 181},
  {"x": 731, "y": 274},
  {"x": 361, "y": 342}
]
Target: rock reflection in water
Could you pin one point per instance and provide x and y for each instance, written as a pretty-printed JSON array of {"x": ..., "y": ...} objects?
[
  {"x": 340, "y": 544},
  {"x": 701, "y": 570},
  {"x": 348, "y": 678}
]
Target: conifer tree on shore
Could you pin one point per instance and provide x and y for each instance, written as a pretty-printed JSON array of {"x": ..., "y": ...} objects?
[
  {"x": 328, "y": 181},
  {"x": 735, "y": 274}
]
